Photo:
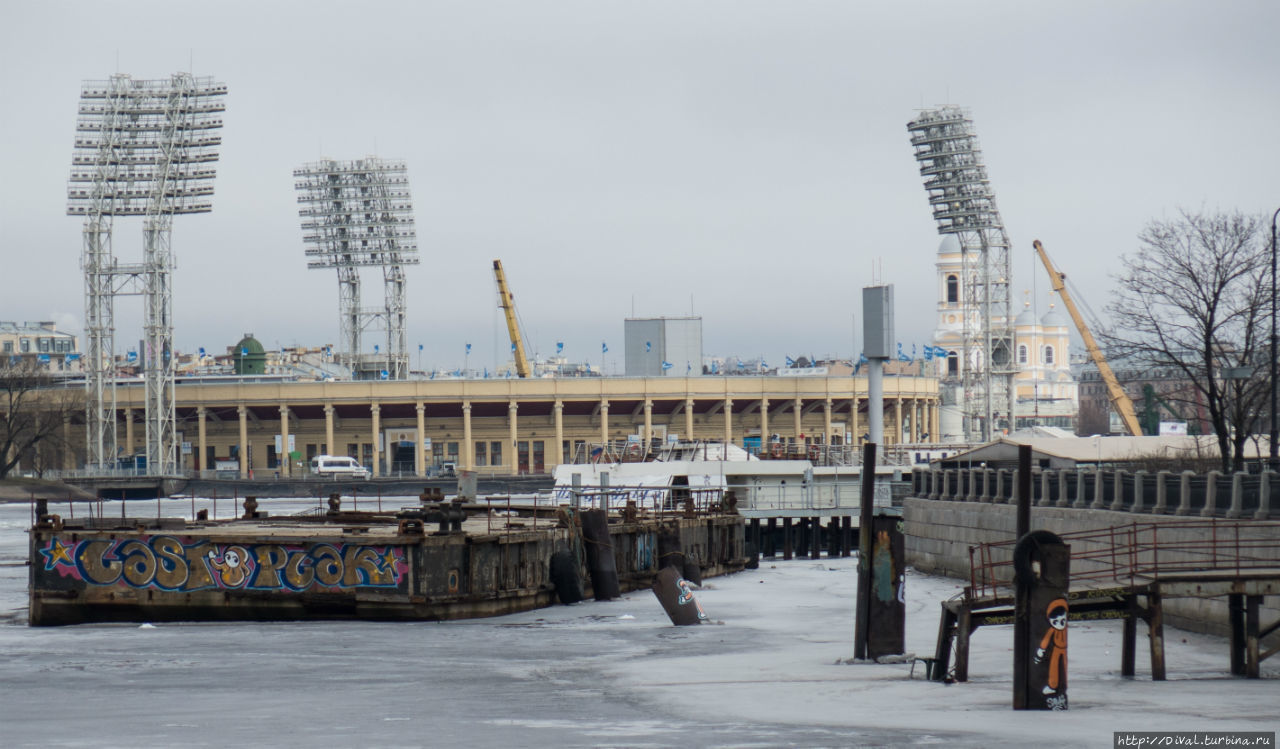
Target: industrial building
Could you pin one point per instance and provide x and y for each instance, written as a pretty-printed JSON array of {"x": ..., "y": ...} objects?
[{"x": 663, "y": 346}]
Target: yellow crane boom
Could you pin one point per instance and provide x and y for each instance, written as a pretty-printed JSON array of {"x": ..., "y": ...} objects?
[
  {"x": 508, "y": 305},
  {"x": 1119, "y": 399}
]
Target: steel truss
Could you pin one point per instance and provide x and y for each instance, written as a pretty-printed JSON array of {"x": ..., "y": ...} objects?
[
  {"x": 356, "y": 214},
  {"x": 143, "y": 148},
  {"x": 964, "y": 205}
]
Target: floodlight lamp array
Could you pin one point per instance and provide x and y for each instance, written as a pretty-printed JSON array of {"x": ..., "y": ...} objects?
[
  {"x": 950, "y": 159},
  {"x": 143, "y": 147},
  {"x": 356, "y": 213}
]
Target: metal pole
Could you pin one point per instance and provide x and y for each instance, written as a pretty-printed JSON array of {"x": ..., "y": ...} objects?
[
  {"x": 1275, "y": 455},
  {"x": 862, "y": 610}
]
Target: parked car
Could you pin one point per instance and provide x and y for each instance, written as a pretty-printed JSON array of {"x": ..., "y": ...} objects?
[{"x": 332, "y": 466}]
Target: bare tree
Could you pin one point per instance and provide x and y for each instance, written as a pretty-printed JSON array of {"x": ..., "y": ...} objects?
[
  {"x": 1194, "y": 297},
  {"x": 32, "y": 411}
]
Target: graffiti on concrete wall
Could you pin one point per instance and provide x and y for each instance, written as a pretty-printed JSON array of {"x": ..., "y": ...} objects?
[{"x": 171, "y": 563}]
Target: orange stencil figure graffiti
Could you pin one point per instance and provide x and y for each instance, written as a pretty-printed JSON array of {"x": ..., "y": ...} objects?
[
  {"x": 1054, "y": 645},
  {"x": 233, "y": 567}
]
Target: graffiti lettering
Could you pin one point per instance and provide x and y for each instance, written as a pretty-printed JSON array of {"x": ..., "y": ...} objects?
[{"x": 175, "y": 564}]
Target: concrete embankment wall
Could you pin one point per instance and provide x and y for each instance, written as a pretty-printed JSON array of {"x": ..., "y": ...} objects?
[{"x": 939, "y": 534}]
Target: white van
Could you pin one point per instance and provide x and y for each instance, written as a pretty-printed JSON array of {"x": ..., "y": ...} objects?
[{"x": 336, "y": 467}]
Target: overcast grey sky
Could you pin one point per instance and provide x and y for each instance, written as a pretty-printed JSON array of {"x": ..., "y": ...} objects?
[{"x": 746, "y": 159}]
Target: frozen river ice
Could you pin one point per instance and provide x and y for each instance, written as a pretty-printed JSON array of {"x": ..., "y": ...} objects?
[{"x": 593, "y": 674}]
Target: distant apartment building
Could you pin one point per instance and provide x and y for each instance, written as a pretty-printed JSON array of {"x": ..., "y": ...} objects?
[
  {"x": 40, "y": 342},
  {"x": 1160, "y": 395}
]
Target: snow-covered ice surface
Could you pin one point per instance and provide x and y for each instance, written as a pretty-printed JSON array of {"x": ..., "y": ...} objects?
[{"x": 768, "y": 674}]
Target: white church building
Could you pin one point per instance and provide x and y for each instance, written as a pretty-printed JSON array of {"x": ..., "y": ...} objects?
[{"x": 1045, "y": 392}]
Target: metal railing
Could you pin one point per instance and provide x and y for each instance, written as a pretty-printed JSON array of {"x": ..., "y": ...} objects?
[{"x": 1138, "y": 552}]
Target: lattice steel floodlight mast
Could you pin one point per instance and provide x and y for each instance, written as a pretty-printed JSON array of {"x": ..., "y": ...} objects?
[
  {"x": 359, "y": 213},
  {"x": 965, "y": 205},
  {"x": 143, "y": 148}
]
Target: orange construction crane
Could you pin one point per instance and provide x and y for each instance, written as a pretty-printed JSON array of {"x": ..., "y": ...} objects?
[
  {"x": 508, "y": 305},
  {"x": 1119, "y": 399}
]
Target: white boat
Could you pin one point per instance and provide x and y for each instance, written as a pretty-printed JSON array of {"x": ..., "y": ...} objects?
[{"x": 705, "y": 472}]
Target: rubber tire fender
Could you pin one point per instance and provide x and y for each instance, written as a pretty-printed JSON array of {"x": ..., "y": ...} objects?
[{"x": 1025, "y": 551}]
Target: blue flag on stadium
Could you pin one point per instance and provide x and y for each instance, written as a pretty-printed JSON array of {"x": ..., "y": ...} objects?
[
  {"x": 132, "y": 356},
  {"x": 604, "y": 347},
  {"x": 202, "y": 350},
  {"x": 384, "y": 374},
  {"x": 559, "y": 346},
  {"x": 791, "y": 362},
  {"x": 647, "y": 346},
  {"x": 468, "y": 348},
  {"x": 666, "y": 365}
]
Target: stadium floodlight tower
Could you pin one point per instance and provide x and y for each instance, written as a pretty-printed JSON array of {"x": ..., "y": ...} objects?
[
  {"x": 143, "y": 148},
  {"x": 965, "y": 205},
  {"x": 356, "y": 214}
]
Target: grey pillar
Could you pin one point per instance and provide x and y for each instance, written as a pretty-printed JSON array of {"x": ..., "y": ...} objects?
[
  {"x": 1211, "y": 495},
  {"x": 1184, "y": 494},
  {"x": 1079, "y": 500},
  {"x": 1264, "y": 496},
  {"x": 1237, "y": 495},
  {"x": 1099, "y": 489},
  {"x": 1117, "y": 489},
  {"x": 999, "y": 495},
  {"x": 1139, "y": 479},
  {"x": 1162, "y": 493},
  {"x": 1044, "y": 488},
  {"x": 1063, "y": 500},
  {"x": 973, "y": 484}
]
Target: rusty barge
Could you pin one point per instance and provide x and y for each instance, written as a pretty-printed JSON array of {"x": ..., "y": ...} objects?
[{"x": 440, "y": 560}]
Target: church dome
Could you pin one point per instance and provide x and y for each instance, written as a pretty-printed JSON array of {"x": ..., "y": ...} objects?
[
  {"x": 1027, "y": 318},
  {"x": 248, "y": 356},
  {"x": 950, "y": 245},
  {"x": 1053, "y": 319}
]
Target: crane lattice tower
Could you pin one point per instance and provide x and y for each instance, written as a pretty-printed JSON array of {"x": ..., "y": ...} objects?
[
  {"x": 357, "y": 214},
  {"x": 143, "y": 148},
  {"x": 964, "y": 205}
]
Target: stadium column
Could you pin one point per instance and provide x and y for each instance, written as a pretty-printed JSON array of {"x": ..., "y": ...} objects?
[
  {"x": 688, "y": 419},
  {"x": 329, "y": 447},
  {"x": 797, "y": 408},
  {"x": 244, "y": 441},
  {"x": 468, "y": 449},
  {"x": 513, "y": 443},
  {"x": 202, "y": 435},
  {"x": 764, "y": 425},
  {"x": 420, "y": 457},
  {"x": 375, "y": 412},
  {"x": 648, "y": 424},
  {"x": 283, "y": 457},
  {"x": 728, "y": 425},
  {"x": 604, "y": 424},
  {"x": 128, "y": 433},
  {"x": 897, "y": 418},
  {"x": 826, "y": 422},
  {"x": 556, "y": 455}
]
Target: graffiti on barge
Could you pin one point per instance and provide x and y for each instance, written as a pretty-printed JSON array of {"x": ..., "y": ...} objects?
[{"x": 171, "y": 563}]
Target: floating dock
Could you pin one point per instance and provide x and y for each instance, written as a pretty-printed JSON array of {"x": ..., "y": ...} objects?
[{"x": 440, "y": 560}]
